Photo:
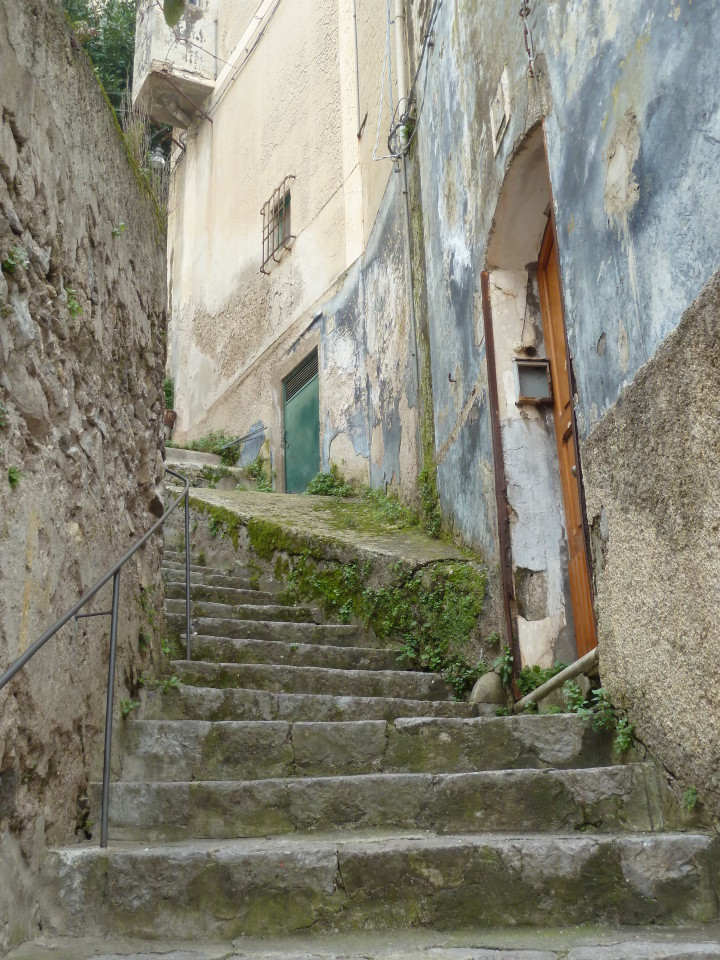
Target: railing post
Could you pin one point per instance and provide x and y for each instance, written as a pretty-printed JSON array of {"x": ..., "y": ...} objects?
[
  {"x": 187, "y": 574},
  {"x": 109, "y": 712}
]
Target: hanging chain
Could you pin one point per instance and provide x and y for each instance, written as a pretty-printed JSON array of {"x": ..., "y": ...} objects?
[{"x": 524, "y": 14}]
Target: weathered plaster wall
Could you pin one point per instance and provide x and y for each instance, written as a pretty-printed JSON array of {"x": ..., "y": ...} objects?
[
  {"x": 368, "y": 377},
  {"x": 631, "y": 112},
  {"x": 281, "y": 115},
  {"x": 234, "y": 17},
  {"x": 81, "y": 361},
  {"x": 167, "y": 61},
  {"x": 545, "y": 627},
  {"x": 633, "y": 147},
  {"x": 460, "y": 185},
  {"x": 652, "y": 480},
  {"x": 377, "y": 85}
]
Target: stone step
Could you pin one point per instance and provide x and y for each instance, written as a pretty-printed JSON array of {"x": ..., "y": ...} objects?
[
  {"x": 610, "y": 943},
  {"x": 405, "y": 684},
  {"x": 212, "y": 703},
  {"x": 238, "y": 570},
  {"x": 175, "y": 590},
  {"x": 179, "y": 567},
  {"x": 241, "y": 577},
  {"x": 224, "y": 650},
  {"x": 211, "y": 577},
  {"x": 335, "y": 634},
  {"x": 281, "y": 886},
  {"x": 178, "y": 556},
  {"x": 610, "y": 798},
  {"x": 273, "y": 612},
  {"x": 257, "y": 750}
]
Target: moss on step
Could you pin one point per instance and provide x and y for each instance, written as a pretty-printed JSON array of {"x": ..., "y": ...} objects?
[{"x": 431, "y": 607}]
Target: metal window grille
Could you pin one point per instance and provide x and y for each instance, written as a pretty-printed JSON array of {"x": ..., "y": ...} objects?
[
  {"x": 276, "y": 223},
  {"x": 301, "y": 376}
]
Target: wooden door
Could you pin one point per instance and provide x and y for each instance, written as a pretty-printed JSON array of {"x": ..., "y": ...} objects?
[{"x": 564, "y": 416}]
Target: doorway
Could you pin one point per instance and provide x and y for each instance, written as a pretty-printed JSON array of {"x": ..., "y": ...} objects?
[
  {"x": 547, "y": 588},
  {"x": 301, "y": 417}
]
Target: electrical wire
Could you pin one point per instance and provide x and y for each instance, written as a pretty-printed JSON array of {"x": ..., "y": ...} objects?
[
  {"x": 387, "y": 61},
  {"x": 397, "y": 146}
]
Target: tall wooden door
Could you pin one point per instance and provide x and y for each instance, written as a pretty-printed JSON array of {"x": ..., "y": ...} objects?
[
  {"x": 302, "y": 425},
  {"x": 564, "y": 416}
]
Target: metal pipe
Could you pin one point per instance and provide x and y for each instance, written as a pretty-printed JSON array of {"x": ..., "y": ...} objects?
[
  {"x": 411, "y": 295},
  {"x": 357, "y": 66},
  {"x": 400, "y": 57},
  {"x": 503, "y": 519},
  {"x": 109, "y": 713},
  {"x": 253, "y": 435},
  {"x": 187, "y": 574}
]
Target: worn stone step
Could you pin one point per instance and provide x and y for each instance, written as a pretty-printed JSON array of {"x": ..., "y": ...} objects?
[
  {"x": 175, "y": 590},
  {"x": 273, "y": 612},
  {"x": 224, "y": 650},
  {"x": 575, "y": 943},
  {"x": 178, "y": 556},
  {"x": 280, "y": 886},
  {"x": 177, "y": 562},
  {"x": 406, "y": 684},
  {"x": 212, "y": 577},
  {"x": 213, "y": 703},
  {"x": 244, "y": 750},
  {"x": 336, "y": 634},
  {"x": 609, "y": 798},
  {"x": 195, "y": 568}
]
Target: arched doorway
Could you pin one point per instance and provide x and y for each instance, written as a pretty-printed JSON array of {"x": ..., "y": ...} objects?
[{"x": 552, "y": 601}]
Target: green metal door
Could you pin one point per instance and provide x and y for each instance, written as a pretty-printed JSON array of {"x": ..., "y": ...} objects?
[{"x": 302, "y": 425}]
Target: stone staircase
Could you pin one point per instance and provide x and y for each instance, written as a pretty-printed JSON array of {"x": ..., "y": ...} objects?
[{"x": 299, "y": 780}]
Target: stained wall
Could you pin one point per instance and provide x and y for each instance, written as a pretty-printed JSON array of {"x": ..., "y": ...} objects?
[{"x": 82, "y": 352}]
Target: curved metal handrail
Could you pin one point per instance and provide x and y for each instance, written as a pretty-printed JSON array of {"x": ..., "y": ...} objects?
[{"x": 114, "y": 573}]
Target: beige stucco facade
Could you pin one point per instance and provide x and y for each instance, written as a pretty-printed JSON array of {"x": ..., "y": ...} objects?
[{"x": 296, "y": 95}]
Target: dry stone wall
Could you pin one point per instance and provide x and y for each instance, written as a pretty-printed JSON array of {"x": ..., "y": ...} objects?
[{"x": 82, "y": 327}]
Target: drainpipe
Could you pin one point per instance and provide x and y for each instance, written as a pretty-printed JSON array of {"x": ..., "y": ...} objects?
[
  {"x": 400, "y": 58},
  {"x": 357, "y": 67}
]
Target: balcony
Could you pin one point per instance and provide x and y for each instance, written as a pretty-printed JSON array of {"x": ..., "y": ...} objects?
[{"x": 175, "y": 69}]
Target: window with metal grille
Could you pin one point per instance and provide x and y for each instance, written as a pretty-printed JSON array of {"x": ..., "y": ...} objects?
[{"x": 276, "y": 223}]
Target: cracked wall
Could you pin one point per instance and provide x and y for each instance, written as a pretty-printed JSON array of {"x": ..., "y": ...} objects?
[
  {"x": 82, "y": 351},
  {"x": 630, "y": 120}
]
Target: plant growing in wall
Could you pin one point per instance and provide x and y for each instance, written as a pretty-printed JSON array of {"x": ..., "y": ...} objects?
[{"x": 173, "y": 11}]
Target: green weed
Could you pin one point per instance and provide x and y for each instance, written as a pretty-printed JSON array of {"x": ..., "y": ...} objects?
[
  {"x": 503, "y": 666},
  {"x": 530, "y": 678},
  {"x": 17, "y": 257},
  {"x": 73, "y": 304}
]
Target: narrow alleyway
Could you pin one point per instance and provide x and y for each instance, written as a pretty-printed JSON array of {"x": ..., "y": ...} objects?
[{"x": 295, "y": 780}]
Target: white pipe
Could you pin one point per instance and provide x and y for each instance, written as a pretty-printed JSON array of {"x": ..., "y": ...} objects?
[
  {"x": 357, "y": 67},
  {"x": 400, "y": 55}
]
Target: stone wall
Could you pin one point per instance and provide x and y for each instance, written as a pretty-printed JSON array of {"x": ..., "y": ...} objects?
[
  {"x": 82, "y": 327},
  {"x": 652, "y": 470}
]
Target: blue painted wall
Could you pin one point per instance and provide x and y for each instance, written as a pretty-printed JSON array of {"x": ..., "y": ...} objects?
[{"x": 632, "y": 118}]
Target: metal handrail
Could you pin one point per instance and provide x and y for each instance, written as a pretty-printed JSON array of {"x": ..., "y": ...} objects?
[
  {"x": 253, "y": 435},
  {"x": 114, "y": 572}
]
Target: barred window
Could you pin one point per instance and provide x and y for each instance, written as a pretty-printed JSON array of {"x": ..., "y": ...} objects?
[{"x": 276, "y": 223}]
